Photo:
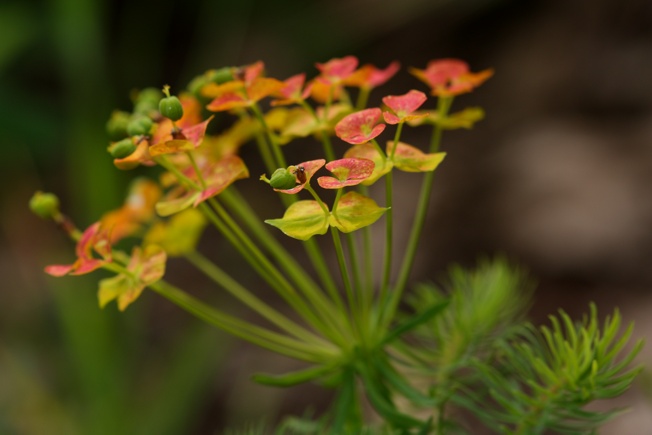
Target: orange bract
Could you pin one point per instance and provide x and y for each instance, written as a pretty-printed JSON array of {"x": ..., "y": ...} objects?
[{"x": 450, "y": 77}]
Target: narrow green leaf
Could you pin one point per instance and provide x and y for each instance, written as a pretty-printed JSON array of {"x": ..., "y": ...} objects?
[
  {"x": 383, "y": 406},
  {"x": 345, "y": 401},
  {"x": 416, "y": 320},
  {"x": 401, "y": 385},
  {"x": 293, "y": 378}
]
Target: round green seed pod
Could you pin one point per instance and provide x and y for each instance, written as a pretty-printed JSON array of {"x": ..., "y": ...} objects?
[
  {"x": 222, "y": 75},
  {"x": 122, "y": 149},
  {"x": 196, "y": 84},
  {"x": 116, "y": 126},
  {"x": 139, "y": 125},
  {"x": 45, "y": 205},
  {"x": 146, "y": 101},
  {"x": 171, "y": 108},
  {"x": 282, "y": 179}
]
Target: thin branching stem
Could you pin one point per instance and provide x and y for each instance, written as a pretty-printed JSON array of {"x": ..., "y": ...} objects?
[
  {"x": 220, "y": 277},
  {"x": 419, "y": 220},
  {"x": 245, "y": 330}
]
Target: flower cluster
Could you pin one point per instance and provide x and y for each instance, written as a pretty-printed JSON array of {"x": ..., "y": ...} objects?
[
  {"x": 195, "y": 187},
  {"x": 173, "y": 133}
]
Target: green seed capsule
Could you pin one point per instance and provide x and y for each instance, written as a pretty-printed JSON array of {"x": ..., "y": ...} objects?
[
  {"x": 122, "y": 149},
  {"x": 146, "y": 101},
  {"x": 139, "y": 125},
  {"x": 222, "y": 75},
  {"x": 171, "y": 108},
  {"x": 282, "y": 179},
  {"x": 45, "y": 205},
  {"x": 116, "y": 126},
  {"x": 197, "y": 84}
]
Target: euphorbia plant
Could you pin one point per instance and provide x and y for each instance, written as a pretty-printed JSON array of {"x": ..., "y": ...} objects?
[{"x": 357, "y": 329}]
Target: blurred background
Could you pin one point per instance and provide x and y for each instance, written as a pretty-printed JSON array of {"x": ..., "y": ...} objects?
[{"x": 557, "y": 178}]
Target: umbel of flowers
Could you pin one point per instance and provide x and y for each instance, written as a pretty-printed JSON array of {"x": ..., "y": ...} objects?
[{"x": 348, "y": 325}]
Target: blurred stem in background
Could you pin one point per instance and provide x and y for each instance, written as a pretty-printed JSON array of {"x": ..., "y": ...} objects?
[
  {"x": 100, "y": 345},
  {"x": 97, "y": 358}
]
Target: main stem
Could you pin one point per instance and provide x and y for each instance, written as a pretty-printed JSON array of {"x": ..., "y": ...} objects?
[{"x": 443, "y": 107}]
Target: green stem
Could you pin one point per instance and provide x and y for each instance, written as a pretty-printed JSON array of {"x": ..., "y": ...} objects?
[
  {"x": 397, "y": 136},
  {"x": 363, "y": 96},
  {"x": 389, "y": 239},
  {"x": 346, "y": 278},
  {"x": 244, "y": 330},
  {"x": 368, "y": 257},
  {"x": 252, "y": 254},
  {"x": 267, "y": 270},
  {"x": 419, "y": 220},
  {"x": 263, "y": 149},
  {"x": 220, "y": 277},
  {"x": 276, "y": 149},
  {"x": 241, "y": 208},
  {"x": 323, "y": 206},
  {"x": 357, "y": 282},
  {"x": 325, "y": 138},
  {"x": 193, "y": 162}
]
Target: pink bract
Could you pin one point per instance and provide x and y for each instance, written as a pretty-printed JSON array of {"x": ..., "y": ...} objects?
[
  {"x": 93, "y": 239},
  {"x": 348, "y": 172},
  {"x": 369, "y": 76},
  {"x": 360, "y": 127},
  {"x": 403, "y": 105},
  {"x": 293, "y": 91},
  {"x": 337, "y": 69},
  {"x": 449, "y": 77}
]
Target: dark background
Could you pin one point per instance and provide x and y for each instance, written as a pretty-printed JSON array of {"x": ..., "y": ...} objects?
[{"x": 557, "y": 178}]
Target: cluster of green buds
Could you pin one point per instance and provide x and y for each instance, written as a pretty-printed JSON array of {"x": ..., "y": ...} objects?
[{"x": 127, "y": 130}]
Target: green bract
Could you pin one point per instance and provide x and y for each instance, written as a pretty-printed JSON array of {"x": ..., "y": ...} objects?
[{"x": 302, "y": 220}]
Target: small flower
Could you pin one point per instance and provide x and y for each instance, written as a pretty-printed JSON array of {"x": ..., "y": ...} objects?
[
  {"x": 450, "y": 77},
  {"x": 217, "y": 175},
  {"x": 178, "y": 235},
  {"x": 293, "y": 91},
  {"x": 241, "y": 93},
  {"x": 137, "y": 210},
  {"x": 360, "y": 127},
  {"x": 382, "y": 165},
  {"x": 403, "y": 106},
  {"x": 348, "y": 172},
  {"x": 170, "y": 139},
  {"x": 338, "y": 69},
  {"x": 145, "y": 268},
  {"x": 328, "y": 86},
  {"x": 369, "y": 77},
  {"x": 92, "y": 240}
]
